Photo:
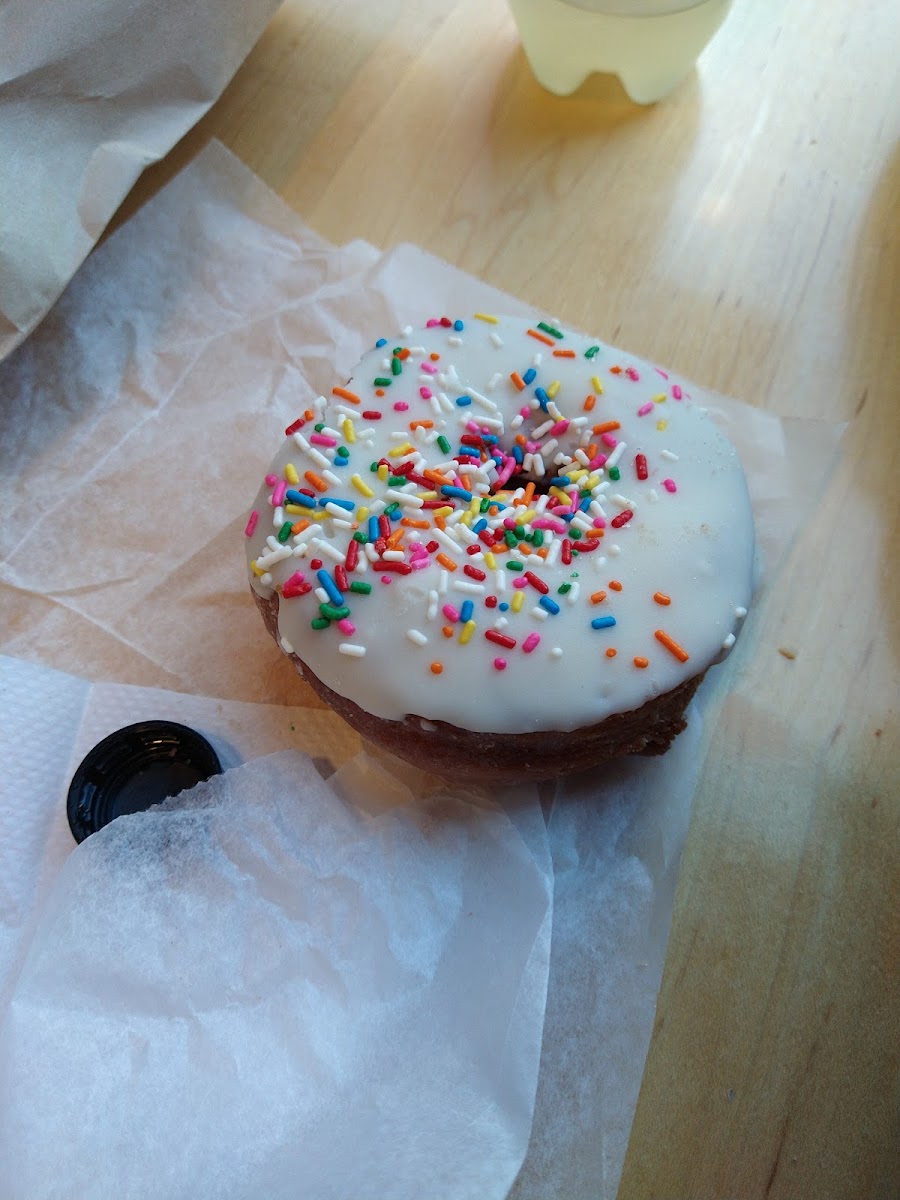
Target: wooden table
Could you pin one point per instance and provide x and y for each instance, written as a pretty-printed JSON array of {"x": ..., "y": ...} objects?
[{"x": 745, "y": 232}]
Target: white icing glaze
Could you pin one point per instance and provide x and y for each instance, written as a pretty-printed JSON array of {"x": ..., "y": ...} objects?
[{"x": 693, "y": 544}]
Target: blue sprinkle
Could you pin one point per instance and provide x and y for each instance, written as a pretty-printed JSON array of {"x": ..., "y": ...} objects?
[
  {"x": 560, "y": 480},
  {"x": 458, "y": 326},
  {"x": 603, "y": 622},
  {"x": 517, "y": 453},
  {"x": 373, "y": 529},
  {"x": 335, "y": 595},
  {"x": 449, "y": 490},
  {"x": 296, "y": 497},
  {"x": 466, "y": 610},
  {"x": 503, "y": 606},
  {"x": 346, "y": 504},
  {"x": 463, "y": 401},
  {"x": 543, "y": 398},
  {"x": 530, "y": 376},
  {"x": 381, "y": 342},
  {"x": 550, "y": 604},
  {"x": 585, "y": 504},
  {"x": 479, "y": 525}
]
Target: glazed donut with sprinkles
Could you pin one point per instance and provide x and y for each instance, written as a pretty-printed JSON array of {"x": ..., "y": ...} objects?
[{"x": 504, "y": 550}]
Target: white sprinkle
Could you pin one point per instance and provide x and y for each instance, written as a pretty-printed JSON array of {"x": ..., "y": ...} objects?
[
  {"x": 331, "y": 432},
  {"x": 501, "y": 623},
  {"x": 370, "y": 552},
  {"x": 572, "y": 594},
  {"x": 351, "y": 650},
  {"x": 376, "y": 508},
  {"x": 541, "y": 430},
  {"x": 667, "y": 454},
  {"x": 322, "y": 596},
  {"x": 554, "y": 411},
  {"x": 473, "y": 589},
  {"x": 615, "y": 550},
  {"x": 405, "y": 499},
  {"x": 516, "y": 421},
  {"x": 393, "y": 556},
  {"x": 272, "y": 542},
  {"x": 595, "y": 508},
  {"x": 553, "y": 553},
  {"x": 431, "y": 611},
  {"x": 494, "y": 380},
  {"x": 278, "y": 517},
  {"x": 332, "y": 478},
  {"x": 654, "y": 495},
  {"x": 417, "y": 637},
  {"x": 446, "y": 541},
  {"x": 443, "y": 582},
  {"x": 319, "y": 459},
  {"x": 540, "y": 614},
  {"x": 265, "y": 578},
  {"x": 577, "y": 422},
  {"x": 483, "y": 401},
  {"x": 615, "y": 456},
  {"x": 435, "y": 406},
  {"x": 500, "y": 581},
  {"x": 556, "y": 652},
  {"x": 622, "y": 501},
  {"x": 550, "y": 446},
  {"x": 496, "y": 339},
  {"x": 454, "y": 340},
  {"x": 330, "y": 551},
  {"x": 269, "y": 560},
  {"x": 740, "y": 613},
  {"x": 582, "y": 458},
  {"x": 538, "y": 465},
  {"x": 406, "y": 330},
  {"x": 729, "y": 642},
  {"x": 362, "y": 565},
  {"x": 342, "y": 523},
  {"x": 538, "y": 359}
]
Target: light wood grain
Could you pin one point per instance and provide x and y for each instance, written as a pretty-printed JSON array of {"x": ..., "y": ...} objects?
[{"x": 745, "y": 231}]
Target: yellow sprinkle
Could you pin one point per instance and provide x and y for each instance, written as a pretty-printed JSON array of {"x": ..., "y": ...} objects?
[
  {"x": 258, "y": 571},
  {"x": 490, "y": 560},
  {"x": 485, "y": 317},
  {"x": 576, "y": 475},
  {"x": 444, "y": 512},
  {"x": 475, "y": 504},
  {"x": 466, "y": 518},
  {"x": 383, "y": 472},
  {"x": 553, "y": 389},
  {"x": 349, "y": 432},
  {"x": 597, "y": 385},
  {"x": 659, "y": 398},
  {"x": 294, "y": 508},
  {"x": 399, "y": 451},
  {"x": 362, "y": 514},
  {"x": 290, "y": 473},
  {"x": 525, "y": 517},
  {"x": 361, "y": 486},
  {"x": 467, "y": 630},
  {"x": 517, "y": 601},
  {"x": 555, "y": 491},
  {"x": 320, "y": 514},
  {"x": 661, "y": 425},
  {"x": 593, "y": 481}
]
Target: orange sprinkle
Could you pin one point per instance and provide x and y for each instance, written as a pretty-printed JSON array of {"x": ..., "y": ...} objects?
[
  {"x": 615, "y": 370},
  {"x": 611, "y": 652},
  {"x": 529, "y": 492},
  {"x": 440, "y": 521},
  {"x": 518, "y": 381},
  {"x": 598, "y": 597},
  {"x": 436, "y": 668},
  {"x": 563, "y": 353},
  {"x": 521, "y": 439},
  {"x": 639, "y": 661},
  {"x": 662, "y": 598},
  {"x": 593, "y": 450},
  {"x": 309, "y": 414},
  {"x": 412, "y": 523},
  {"x": 421, "y": 424},
  {"x": 671, "y": 645},
  {"x": 316, "y": 480},
  {"x": 379, "y": 391},
  {"x": 541, "y": 338},
  {"x": 434, "y": 356},
  {"x": 345, "y": 394},
  {"x": 445, "y": 561},
  {"x": 606, "y": 427},
  {"x": 542, "y": 552},
  {"x": 436, "y": 477},
  {"x": 447, "y": 631},
  {"x": 395, "y": 538},
  {"x": 615, "y": 585},
  {"x": 300, "y": 525},
  {"x": 589, "y": 402},
  {"x": 466, "y": 481},
  {"x": 524, "y": 548},
  {"x": 403, "y": 354}
]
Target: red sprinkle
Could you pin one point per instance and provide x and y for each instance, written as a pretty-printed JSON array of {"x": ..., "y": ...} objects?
[
  {"x": 537, "y": 582},
  {"x": 474, "y": 572},
  {"x": 490, "y": 601},
  {"x": 640, "y": 465},
  {"x": 384, "y": 526},
  {"x": 566, "y": 552},
  {"x": 294, "y": 426},
  {"x": 399, "y": 568},
  {"x": 340, "y": 577},
  {"x": 501, "y": 639},
  {"x": 371, "y": 415},
  {"x": 622, "y": 519},
  {"x": 315, "y": 564},
  {"x": 500, "y": 664},
  {"x": 352, "y": 555},
  {"x": 432, "y": 546}
]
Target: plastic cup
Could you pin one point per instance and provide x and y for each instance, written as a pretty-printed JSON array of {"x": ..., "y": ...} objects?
[{"x": 650, "y": 44}]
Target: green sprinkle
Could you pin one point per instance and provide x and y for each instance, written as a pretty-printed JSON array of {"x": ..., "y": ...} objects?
[
  {"x": 485, "y": 504},
  {"x": 529, "y": 536},
  {"x": 538, "y": 538},
  {"x": 519, "y": 531},
  {"x": 563, "y": 588},
  {"x": 510, "y": 538},
  {"x": 382, "y": 381},
  {"x": 373, "y": 466},
  {"x": 343, "y": 452},
  {"x": 549, "y": 329},
  {"x": 591, "y": 351},
  {"x": 444, "y": 444},
  {"x": 358, "y": 586},
  {"x": 584, "y": 493},
  {"x": 284, "y": 532},
  {"x": 392, "y": 508},
  {"x": 615, "y": 473},
  {"x": 397, "y": 350},
  {"x": 574, "y": 533},
  {"x": 334, "y": 614},
  {"x": 318, "y": 428},
  {"x": 513, "y": 565},
  {"x": 574, "y": 575},
  {"x": 393, "y": 480},
  {"x": 360, "y": 537},
  {"x": 396, "y": 365},
  {"x": 319, "y": 623},
  {"x": 575, "y": 552}
]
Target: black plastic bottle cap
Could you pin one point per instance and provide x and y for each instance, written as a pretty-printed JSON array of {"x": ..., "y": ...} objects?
[{"x": 135, "y": 768}]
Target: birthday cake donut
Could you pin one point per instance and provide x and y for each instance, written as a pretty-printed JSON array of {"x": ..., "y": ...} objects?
[{"x": 503, "y": 550}]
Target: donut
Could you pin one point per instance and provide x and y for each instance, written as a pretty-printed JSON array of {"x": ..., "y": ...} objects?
[{"x": 504, "y": 550}]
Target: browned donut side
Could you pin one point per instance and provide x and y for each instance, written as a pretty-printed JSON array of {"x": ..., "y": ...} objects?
[{"x": 506, "y": 757}]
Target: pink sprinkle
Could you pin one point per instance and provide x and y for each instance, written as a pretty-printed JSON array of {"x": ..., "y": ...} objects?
[
  {"x": 660, "y": 371},
  {"x": 559, "y": 427},
  {"x": 544, "y": 523},
  {"x": 431, "y": 323},
  {"x": 297, "y": 577},
  {"x": 533, "y": 447},
  {"x": 271, "y": 480},
  {"x": 669, "y": 485},
  {"x": 596, "y": 463},
  {"x": 278, "y": 494},
  {"x": 520, "y": 582},
  {"x": 345, "y": 625},
  {"x": 321, "y": 439},
  {"x": 451, "y": 613},
  {"x": 418, "y": 563},
  {"x": 500, "y": 664},
  {"x": 251, "y": 524},
  {"x": 632, "y": 373},
  {"x": 472, "y": 427},
  {"x": 386, "y": 579},
  {"x": 645, "y": 408},
  {"x": 531, "y": 642},
  {"x": 599, "y": 523},
  {"x": 428, "y": 368},
  {"x": 524, "y": 411},
  {"x": 509, "y": 522},
  {"x": 401, "y": 406},
  {"x": 425, "y": 393},
  {"x": 608, "y": 440},
  {"x": 676, "y": 391}
]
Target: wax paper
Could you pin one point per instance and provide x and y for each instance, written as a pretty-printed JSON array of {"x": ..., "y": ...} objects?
[{"x": 133, "y": 427}]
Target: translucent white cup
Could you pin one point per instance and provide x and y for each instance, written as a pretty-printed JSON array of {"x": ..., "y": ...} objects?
[{"x": 650, "y": 44}]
